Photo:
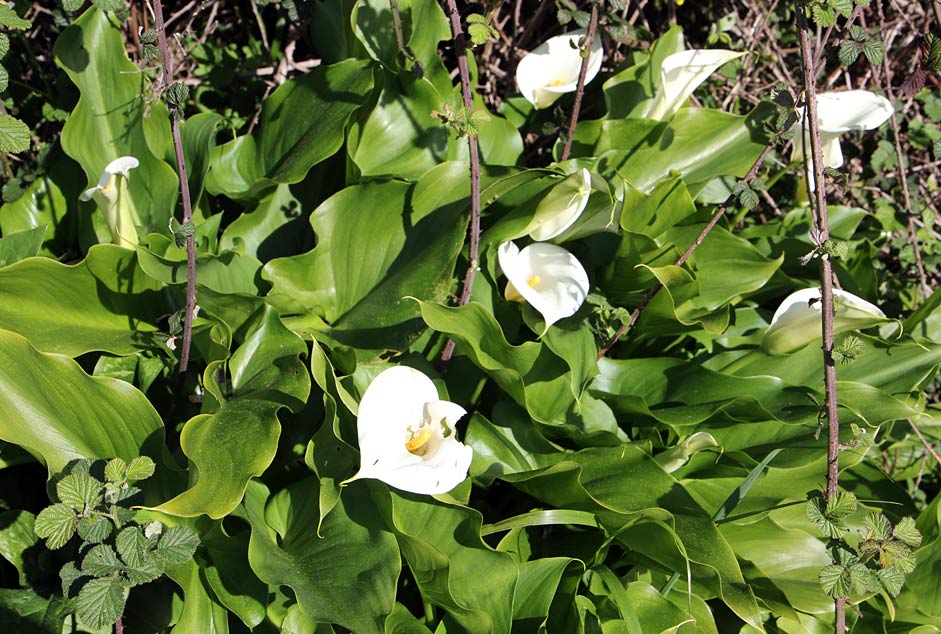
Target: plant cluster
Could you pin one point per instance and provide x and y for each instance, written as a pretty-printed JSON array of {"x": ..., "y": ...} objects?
[{"x": 398, "y": 316}]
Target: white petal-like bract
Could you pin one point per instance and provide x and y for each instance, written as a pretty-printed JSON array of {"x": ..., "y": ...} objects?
[
  {"x": 681, "y": 73},
  {"x": 550, "y": 70},
  {"x": 548, "y": 277},
  {"x": 797, "y": 321},
  {"x": 110, "y": 194},
  {"x": 406, "y": 434}
]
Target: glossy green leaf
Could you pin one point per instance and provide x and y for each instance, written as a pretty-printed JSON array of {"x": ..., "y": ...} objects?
[
  {"x": 201, "y": 611},
  {"x": 71, "y": 310},
  {"x": 287, "y": 146},
  {"x": 16, "y": 537},
  {"x": 20, "y": 245},
  {"x": 345, "y": 576},
  {"x": 111, "y": 111},
  {"x": 371, "y": 256},
  {"x": 50, "y": 407}
]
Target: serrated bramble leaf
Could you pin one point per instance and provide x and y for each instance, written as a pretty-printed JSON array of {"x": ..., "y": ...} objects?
[
  {"x": 146, "y": 570},
  {"x": 4, "y": 45},
  {"x": 132, "y": 545},
  {"x": 834, "y": 580},
  {"x": 94, "y": 529},
  {"x": 906, "y": 532},
  {"x": 69, "y": 574},
  {"x": 109, "y": 5},
  {"x": 79, "y": 490},
  {"x": 101, "y": 561},
  {"x": 101, "y": 602},
  {"x": 824, "y": 16},
  {"x": 862, "y": 580},
  {"x": 937, "y": 149},
  {"x": 140, "y": 468},
  {"x": 858, "y": 33},
  {"x": 479, "y": 33},
  {"x": 898, "y": 555},
  {"x": 844, "y": 7},
  {"x": 841, "y": 505},
  {"x": 874, "y": 50},
  {"x": 56, "y": 524},
  {"x": 116, "y": 470},
  {"x": 14, "y": 134},
  {"x": 72, "y": 5},
  {"x": 9, "y": 18},
  {"x": 4, "y": 79},
  {"x": 892, "y": 580},
  {"x": 476, "y": 18},
  {"x": 849, "y": 51},
  {"x": 878, "y": 526},
  {"x": 177, "y": 544}
]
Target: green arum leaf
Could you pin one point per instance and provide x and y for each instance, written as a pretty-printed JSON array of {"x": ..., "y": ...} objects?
[
  {"x": 111, "y": 112},
  {"x": 17, "y": 539},
  {"x": 21, "y": 245},
  {"x": 177, "y": 544},
  {"x": 891, "y": 579},
  {"x": 140, "y": 468},
  {"x": 72, "y": 414},
  {"x": 101, "y": 602},
  {"x": 10, "y": 19},
  {"x": 56, "y": 524},
  {"x": 849, "y": 51},
  {"x": 285, "y": 147},
  {"x": 101, "y": 561},
  {"x": 79, "y": 491},
  {"x": 347, "y": 576},
  {"x": 424, "y": 25},
  {"x": 230, "y": 576},
  {"x": 103, "y": 303},
  {"x": 394, "y": 254},
  {"x": 94, "y": 529},
  {"x": 14, "y": 134}
]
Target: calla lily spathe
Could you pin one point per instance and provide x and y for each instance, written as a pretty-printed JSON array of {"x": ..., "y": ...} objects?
[
  {"x": 561, "y": 207},
  {"x": 548, "y": 277},
  {"x": 406, "y": 434},
  {"x": 110, "y": 194},
  {"x": 797, "y": 321},
  {"x": 551, "y": 70},
  {"x": 839, "y": 112},
  {"x": 680, "y": 74}
]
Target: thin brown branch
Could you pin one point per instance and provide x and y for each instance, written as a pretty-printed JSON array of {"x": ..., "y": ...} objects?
[
  {"x": 924, "y": 441},
  {"x": 826, "y": 278},
  {"x": 184, "y": 192},
  {"x": 460, "y": 49},
  {"x": 580, "y": 86},
  {"x": 635, "y": 315}
]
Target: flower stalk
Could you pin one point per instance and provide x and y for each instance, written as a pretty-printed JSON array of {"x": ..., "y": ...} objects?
[
  {"x": 580, "y": 87},
  {"x": 184, "y": 193},
  {"x": 460, "y": 49},
  {"x": 826, "y": 277}
]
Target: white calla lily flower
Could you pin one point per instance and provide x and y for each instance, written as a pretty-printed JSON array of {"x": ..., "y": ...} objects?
[
  {"x": 551, "y": 70},
  {"x": 110, "y": 194},
  {"x": 406, "y": 434},
  {"x": 797, "y": 321},
  {"x": 548, "y": 277},
  {"x": 839, "y": 112},
  {"x": 681, "y": 73},
  {"x": 561, "y": 207}
]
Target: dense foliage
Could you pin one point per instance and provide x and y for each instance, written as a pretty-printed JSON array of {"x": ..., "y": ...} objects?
[{"x": 629, "y": 447}]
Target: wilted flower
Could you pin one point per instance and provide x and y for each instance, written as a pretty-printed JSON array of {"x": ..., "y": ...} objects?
[
  {"x": 839, "y": 112},
  {"x": 406, "y": 434},
  {"x": 797, "y": 321},
  {"x": 547, "y": 276},
  {"x": 111, "y": 196},
  {"x": 681, "y": 73},
  {"x": 543, "y": 75},
  {"x": 561, "y": 207}
]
